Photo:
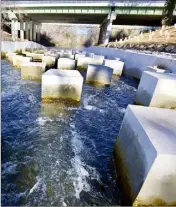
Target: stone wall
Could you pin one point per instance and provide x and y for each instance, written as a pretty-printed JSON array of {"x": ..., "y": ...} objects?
[
  {"x": 69, "y": 36},
  {"x": 75, "y": 36}
]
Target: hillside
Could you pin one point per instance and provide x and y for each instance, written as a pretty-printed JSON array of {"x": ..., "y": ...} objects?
[{"x": 161, "y": 40}]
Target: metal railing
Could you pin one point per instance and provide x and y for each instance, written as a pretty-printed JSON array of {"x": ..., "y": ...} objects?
[{"x": 81, "y": 1}]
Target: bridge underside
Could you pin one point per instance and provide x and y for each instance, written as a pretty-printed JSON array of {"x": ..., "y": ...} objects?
[
  {"x": 68, "y": 18},
  {"x": 97, "y": 19}
]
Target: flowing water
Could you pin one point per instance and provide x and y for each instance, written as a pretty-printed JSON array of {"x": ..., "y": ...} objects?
[{"x": 60, "y": 156}]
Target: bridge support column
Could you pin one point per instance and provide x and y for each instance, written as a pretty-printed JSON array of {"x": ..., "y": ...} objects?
[
  {"x": 105, "y": 30},
  {"x": 30, "y": 30},
  {"x": 22, "y": 24},
  {"x": 38, "y": 32},
  {"x": 14, "y": 29},
  {"x": 26, "y": 30},
  {"x": 34, "y": 32}
]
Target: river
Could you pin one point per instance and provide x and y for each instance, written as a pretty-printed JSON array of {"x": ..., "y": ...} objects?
[{"x": 60, "y": 156}]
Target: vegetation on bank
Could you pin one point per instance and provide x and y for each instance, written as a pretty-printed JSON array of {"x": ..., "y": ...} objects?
[
  {"x": 3, "y": 55},
  {"x": 162, "y": 40}
]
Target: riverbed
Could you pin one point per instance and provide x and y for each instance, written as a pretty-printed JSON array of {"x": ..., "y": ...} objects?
[{"x": 60, "y": 156}]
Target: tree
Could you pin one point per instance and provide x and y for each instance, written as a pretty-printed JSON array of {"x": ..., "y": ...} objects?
[{"x": 168, "y": 12}]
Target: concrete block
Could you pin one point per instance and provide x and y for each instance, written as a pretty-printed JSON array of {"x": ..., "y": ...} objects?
[
  {"x": 145, "y": 156},
  {"x": 99, "y": 75},
  {"x": 10, "y": 56},
  {"x": 62, "y": 85},
  {"x": 19, "y": 59},
  {"x": 83, "y": 62},
  {"x": 116, "y": 65},
  {"x": 90, "y": 54},
  {"x": 77, "y": 55},
  {"x": 32, "y": 70},
  {"x": 66, "y": 55},
  {"x": 99, "y": 59},
  {"x": 157, "y": 90},
  {"x": 35, "y": 56},
  {"x": 66, "y": 63},
  {"x": 158, "y": 70},
  {"x": 155, "y": 69},
  {"x": 49, "y": 60}
]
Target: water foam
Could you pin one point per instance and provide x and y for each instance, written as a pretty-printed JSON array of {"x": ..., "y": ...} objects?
[
  {"x": 42, "y": 120},
  {"x": 80, "y": 172}
]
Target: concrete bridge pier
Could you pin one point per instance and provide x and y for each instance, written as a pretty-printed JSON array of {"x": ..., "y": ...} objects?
[
  {"x": 38, "y": 32},
  {"x": 30, "y": 30},
  {"x": 14, "y": 29},
  {"x": 22, "y": 26},
  {"x": 105, "y": 29},
  {"x": 26, "y": 30},
  {"x": 34, "y": 32}
]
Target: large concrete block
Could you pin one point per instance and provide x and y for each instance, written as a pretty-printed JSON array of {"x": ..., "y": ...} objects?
[
  {"x": 32, "y": 70},
  {"x": 19, "y": 59},
  {"x": 99, "y": 59},
  {"x": 89, "y": 54},
  {"x": 157, "y": 90},
  {"x": 49, "y": 60},
  {"x": 10, "y": 56},
  {"x": 145, "y": 156},
  {"x": 66, "y": 55},
  {"x": 62, "y": 85},
  {"x": 77, "y": 55},
  {"x": 99, "y": 75},
  {"x": 35, "y": 56},
  {"x": 116, "y": 65},
  {"x": 83, "y": 62},
  {"x": 157, "y": 69},
  {"x": 66, "y": 64}
]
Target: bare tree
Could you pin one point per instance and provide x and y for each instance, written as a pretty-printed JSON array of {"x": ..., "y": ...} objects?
[
  {"x": 7, "y": 13},
  {"x": 168, "y": 12}
]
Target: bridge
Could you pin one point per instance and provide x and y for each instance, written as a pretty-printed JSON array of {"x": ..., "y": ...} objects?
[{"x": 104, "y": 13}]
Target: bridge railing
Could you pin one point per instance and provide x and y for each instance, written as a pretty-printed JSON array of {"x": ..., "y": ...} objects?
[{"x": 81, "y": 1}]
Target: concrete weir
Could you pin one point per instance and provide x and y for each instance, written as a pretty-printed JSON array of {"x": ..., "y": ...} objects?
[
  {"x": 99, "y": 75},
  {"x": 62, "y": 86},
  {"x": 145, "y": 156},
  {"x": 116, "y": 65},
  {"x": 66, "y": 64},
  {"x": 157, "y": 90},
  {"x": 83, "y": 62},
  {"x": 32, "y": 71}
]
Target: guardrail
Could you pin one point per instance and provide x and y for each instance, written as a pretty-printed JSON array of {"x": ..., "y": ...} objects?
[{"x": 81, "y": 1}]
